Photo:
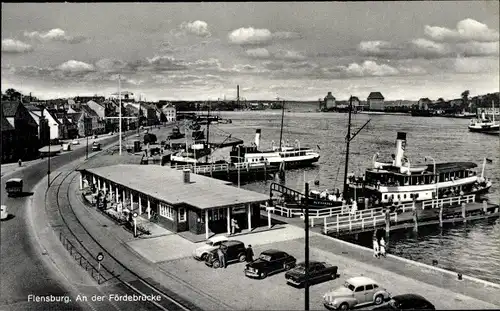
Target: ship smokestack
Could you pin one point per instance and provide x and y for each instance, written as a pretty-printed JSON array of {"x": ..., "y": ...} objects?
[
  {"x": 400, "y": 149},
  {"x": 257, "y": 138}
]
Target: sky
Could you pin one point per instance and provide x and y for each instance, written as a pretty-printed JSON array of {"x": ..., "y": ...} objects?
[{"x": 290, "y": 50}]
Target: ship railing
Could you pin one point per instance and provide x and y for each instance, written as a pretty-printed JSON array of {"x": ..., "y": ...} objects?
[
  {"x": 342, "y": 224},
  {"x": 282, "y": 210},
  {"x": 211, "y": 168},
  {"x": 450, "y": 201},
  {"x": 182, "y": 167}
]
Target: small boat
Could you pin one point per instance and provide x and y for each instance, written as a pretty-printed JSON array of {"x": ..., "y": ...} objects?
[{"x": 484, "y": 124}]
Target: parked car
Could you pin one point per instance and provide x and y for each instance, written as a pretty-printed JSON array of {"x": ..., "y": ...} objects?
[
  {"x": 407, "y": 302},
  {"x": 75, "y": 142},
  {"x": 96, "y": 146},
  {"x": 318, "y": 272},
  {"x": 213, "y": 243},
  {"x": 4, "y": 213},
  {"x": 357, "y": 291},
  {"x": 235, "y": 251},
  {"x": 270, "y": 262}
]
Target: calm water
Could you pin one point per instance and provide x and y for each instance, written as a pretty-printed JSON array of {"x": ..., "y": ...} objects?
[{"x": 473, "y": 249}]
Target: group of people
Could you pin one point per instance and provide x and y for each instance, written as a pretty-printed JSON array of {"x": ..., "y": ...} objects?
[
  {"x": 222, "y": 255},
  {"x": 379, "y": 246}
]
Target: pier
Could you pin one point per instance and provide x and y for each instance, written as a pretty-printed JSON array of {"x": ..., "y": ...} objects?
[
  {"x": 339, "y": 221},
  {"x": 231, "y": 171}
]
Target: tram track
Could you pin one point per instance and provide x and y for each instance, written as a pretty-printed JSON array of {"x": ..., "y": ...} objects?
[{"x": 116, "y": 274}]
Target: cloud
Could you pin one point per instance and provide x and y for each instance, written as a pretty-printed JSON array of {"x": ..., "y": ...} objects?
[
  {"x": 55, "y": 34},
  {"x": 15, "y": 46},
  {"x": 289, "y": 55},
  {"x": 75, "y": 66},
  {"x": 164, "y": 63},
  {"x": 112, "y": 65},
  {"x": 198, "y": 28},
  {"x": 478, "y": 48},
  {"x": 253, "y": 36},
  {"x": 258, "y": 53},
  {"x": 250, "y": 36},
  {"x": 476, "y": 65},
  {"x": 466, "y": 30},
  {"x": 370, "y": 68},
  {"x": 430, "y": 46},
  {"x": 374, "y": 47}
]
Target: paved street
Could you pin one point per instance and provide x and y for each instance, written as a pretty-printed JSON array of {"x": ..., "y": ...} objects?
[{"x": 22, "y": 268}]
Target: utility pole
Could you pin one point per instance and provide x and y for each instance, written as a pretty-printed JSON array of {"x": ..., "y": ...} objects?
[
  {"x": 208, "y": 129},
  {"x": 306, "y": 228},
  {"x": 120, "y": 108},
  {"x": 87, "y": 149}
]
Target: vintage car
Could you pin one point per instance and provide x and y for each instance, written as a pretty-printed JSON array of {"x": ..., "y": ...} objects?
[
  {"x": 357, "y": 291},
  {"x": 96, "y": 146},
  {"x": 213, "y": 243},
  {"x": 14, "y": 187},
  {"x": 4, "y": 212},
  {"x": 234, "y": 250},
  {"x": 407, "y": 302},
  {"x": 270, "y": 262},
  {"x": 318, "y": 272},
  {"x": 75, "y": 142}
]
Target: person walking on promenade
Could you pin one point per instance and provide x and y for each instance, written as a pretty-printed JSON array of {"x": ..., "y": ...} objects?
[
  {"x": 354, "y": 209},
  {"x": 382, "y": 247},
  {"x": 222, "y": 257},
  {"x": 375, "y": 246},
  {"x": 20, "y": 163},
  {"x": 249, "y": 254}
]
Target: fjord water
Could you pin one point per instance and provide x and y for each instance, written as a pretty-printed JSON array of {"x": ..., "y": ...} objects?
[{"x": 472, "y": 249}]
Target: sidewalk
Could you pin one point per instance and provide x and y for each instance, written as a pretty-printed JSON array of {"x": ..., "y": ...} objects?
[{"x": 167, "y": 261}]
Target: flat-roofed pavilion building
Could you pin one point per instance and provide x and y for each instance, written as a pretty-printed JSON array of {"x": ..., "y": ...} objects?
[{"x": 182, "y": 201}]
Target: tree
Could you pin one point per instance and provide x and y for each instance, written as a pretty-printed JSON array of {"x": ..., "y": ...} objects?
[
  {"x": 465, "y": 96},
  {"x": 149, "y": 138},
  {"x": 12, "y": 94}
]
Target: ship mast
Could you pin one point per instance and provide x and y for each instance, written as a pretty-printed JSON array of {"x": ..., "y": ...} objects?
[
  {"x": 348, "y": 139},
  {"x": 282, "y": 116},
  {"x": 208, "y": 128}
]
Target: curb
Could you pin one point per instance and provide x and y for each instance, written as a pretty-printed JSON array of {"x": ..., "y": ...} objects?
[{"x": 415, "y": 263}]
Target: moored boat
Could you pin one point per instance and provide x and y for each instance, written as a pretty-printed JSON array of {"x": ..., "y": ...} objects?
[
  {"x": 400, "y": 182},
  {"x": 484, "y": 124}
]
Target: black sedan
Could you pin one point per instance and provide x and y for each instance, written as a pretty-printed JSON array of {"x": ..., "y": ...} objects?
[
  {"x": 407, "y": 302},
  {"x": 318, "y": 272},
  {"x": 270, "y": 262}
]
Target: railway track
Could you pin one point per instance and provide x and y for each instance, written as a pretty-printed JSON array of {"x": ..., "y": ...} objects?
[{"x": 117, "y": 279}]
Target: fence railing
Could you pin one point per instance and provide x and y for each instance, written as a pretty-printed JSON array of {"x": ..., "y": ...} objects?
[
  {"x": 435, "y": 203},
  {"x": 82, "y": 261},
  {"x": 343, "y": 224}
]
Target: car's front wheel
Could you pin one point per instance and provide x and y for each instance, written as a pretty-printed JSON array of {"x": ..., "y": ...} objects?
[
  {"x": 263, "y": 275},
  {"x": 379, "y": 299},
  {"x": 242, "y": 257},
  {"x": 203, "y": 257},
  {"x": 287, "y": 266},
  {"x": 344, "y": 306},
  {"x": 216, "y": 264}
]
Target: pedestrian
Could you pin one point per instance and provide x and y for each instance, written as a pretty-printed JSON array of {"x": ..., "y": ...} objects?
[
  {"x": 382, "y": 247},
  {"x": 354, "y": 209},
  {"x": 233, "y": 226},
  {"x": 249, "y": 253},
  {"x": 20, "y": 163},
  {"x": 222, "y": 257},
  {"x": 375, "y": 246}
]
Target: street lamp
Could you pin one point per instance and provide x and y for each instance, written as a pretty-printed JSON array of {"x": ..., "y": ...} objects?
[
  {"x": 135, "y": 223},
  {"x": 87, "y": 149},
  {"x": 435, "y": 177},
  {"x": 306, "y": 250},
  {"x": 48, "y": 164}
]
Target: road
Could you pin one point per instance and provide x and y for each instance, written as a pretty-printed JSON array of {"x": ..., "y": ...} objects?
[{"x": 23, "y": 270}]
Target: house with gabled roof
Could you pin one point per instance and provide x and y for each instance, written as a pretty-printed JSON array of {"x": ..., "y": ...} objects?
[
  {"x": 36, "y": 113},
  {"x": 97, "y": 122},
  {"x": 376, "y": 101},
  {"x": 23, "y": 142}
]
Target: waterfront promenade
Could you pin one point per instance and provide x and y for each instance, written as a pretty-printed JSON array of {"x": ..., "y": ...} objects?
[{"x": 166, "y": 260}]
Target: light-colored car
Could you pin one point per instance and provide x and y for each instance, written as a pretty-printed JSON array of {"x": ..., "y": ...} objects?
[
  {"x": 75, "y": 142},
  {"x": 213, "y": 243},
  {"x": 357, "y": 291},
  {"x": 5, "y": 214}
]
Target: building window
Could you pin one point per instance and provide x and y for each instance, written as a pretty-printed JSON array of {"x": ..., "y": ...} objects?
[
  {"x": 166, "y": 211},
  {"x": 182, "y": 214}
]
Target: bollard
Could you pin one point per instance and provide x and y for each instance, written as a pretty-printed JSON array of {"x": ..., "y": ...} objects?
[
  {"x": 459, "y": 276},
  {"x": 441, "y": 215},
  {"x": 463, "y": 212},
  {"x": 434, "y": 262},
  {"x": 415, "y": 220}
]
